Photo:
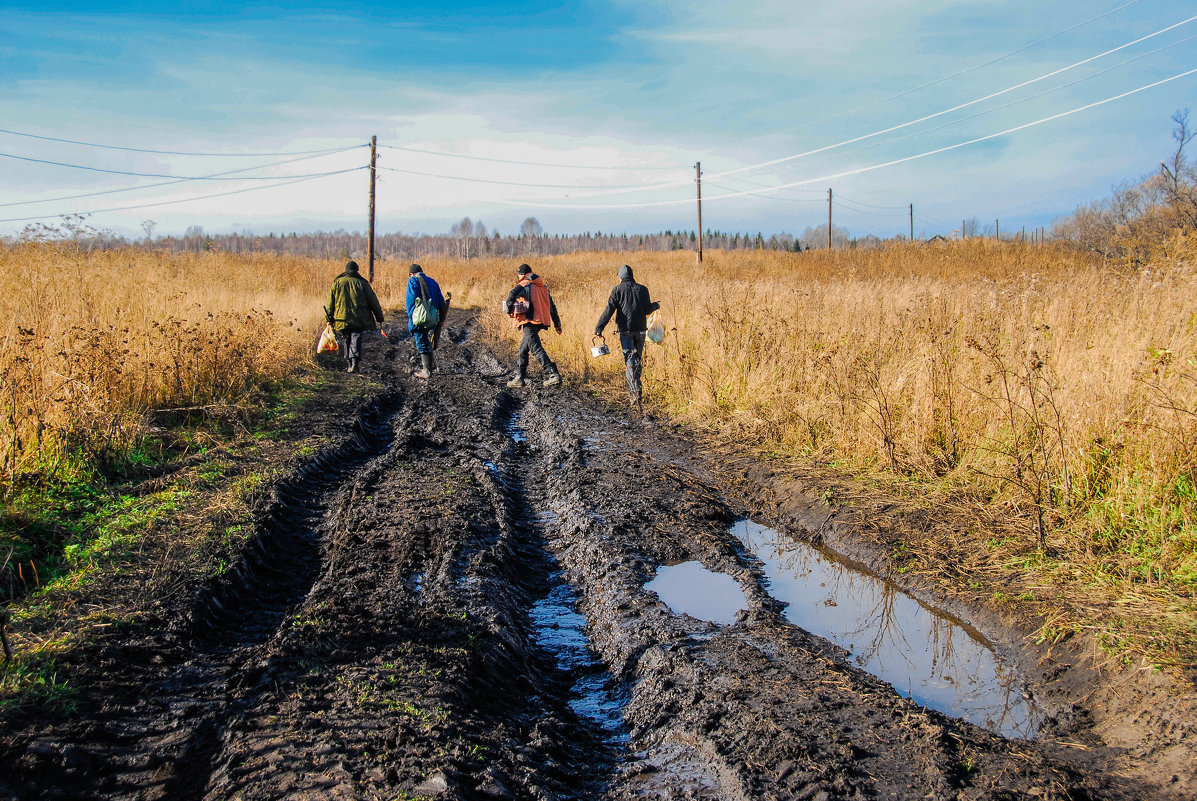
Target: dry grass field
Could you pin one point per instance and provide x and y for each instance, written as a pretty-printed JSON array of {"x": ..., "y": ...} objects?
[{"x": 1053, "y": 395}]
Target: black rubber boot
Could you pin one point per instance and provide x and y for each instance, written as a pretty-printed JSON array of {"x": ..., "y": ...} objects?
[{"x": 425, "y": 370}]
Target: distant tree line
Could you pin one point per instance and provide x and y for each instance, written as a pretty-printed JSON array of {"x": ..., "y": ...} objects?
[{"x": 465, "y": 239}]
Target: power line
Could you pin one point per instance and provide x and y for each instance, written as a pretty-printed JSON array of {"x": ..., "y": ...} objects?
[
  {"x": 172, "y": 182},
  {"x": 286, "y": 182},
  {"x": 946, "y": 78},
  {"x": 953, "y": 108},
  {"x": 530, "y": 163},
  {"x": 616, "y": 189},
  {"x": 859, "y": 170},
  {"x": 1020, "y": 101},
  {"x": 214, "y": 177},
  {"x": 177, "y": 152},
  {"x": 761, "y": 165}
]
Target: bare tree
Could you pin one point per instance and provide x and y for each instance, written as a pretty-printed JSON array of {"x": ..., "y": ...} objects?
[
  {"x": 148, "y": 226},
  {"x": 531, "y": 228}
]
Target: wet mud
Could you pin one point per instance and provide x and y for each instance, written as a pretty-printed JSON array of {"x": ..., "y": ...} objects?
[{"x": 470, "y": 597}]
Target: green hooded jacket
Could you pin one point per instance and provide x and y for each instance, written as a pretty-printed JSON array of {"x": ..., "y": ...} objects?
[{"x": 352, "y": 304}]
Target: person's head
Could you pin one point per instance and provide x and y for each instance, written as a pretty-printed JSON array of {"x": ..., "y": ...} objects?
[
  {"x": 625, "y": 272},
  {"x": 415, "y": 268},
  {"x": 351, "y": 266},
  {"x": 523, "y": 270}
]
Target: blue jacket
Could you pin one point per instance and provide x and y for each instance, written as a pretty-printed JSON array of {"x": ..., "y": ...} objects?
[{"x": 413, "y": 292}]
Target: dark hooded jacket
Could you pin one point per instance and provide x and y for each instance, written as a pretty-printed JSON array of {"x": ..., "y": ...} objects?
[{"x": 629, "y": 303}]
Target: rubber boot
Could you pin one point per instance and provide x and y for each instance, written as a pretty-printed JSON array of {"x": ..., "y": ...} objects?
[
  {"x": 352, "y": 368},
  {"x": 431, "y": 362},
  {"x": 425, "y": 370}
]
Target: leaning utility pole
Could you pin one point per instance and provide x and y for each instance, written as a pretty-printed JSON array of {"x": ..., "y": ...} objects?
[
  {"x": 370, "y": 247},
  {"x": 829, "y": 219},
  {"x": 698, "y": 179}
]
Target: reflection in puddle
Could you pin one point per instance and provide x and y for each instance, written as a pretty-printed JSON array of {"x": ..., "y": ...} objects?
[
  {"x": 562, "y": 631},
  {"x": 514, "y": 430},
  {"x": 692, "y": 589},
  {"x": 923, "y": 654}
]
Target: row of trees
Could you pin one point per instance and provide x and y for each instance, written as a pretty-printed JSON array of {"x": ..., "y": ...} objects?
[{"x": 1133, "y": 222}]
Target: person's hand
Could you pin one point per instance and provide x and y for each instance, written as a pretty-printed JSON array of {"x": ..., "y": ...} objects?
[{"x": 558, "y": 330}]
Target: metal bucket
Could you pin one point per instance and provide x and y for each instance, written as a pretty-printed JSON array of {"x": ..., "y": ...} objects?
[{"x": 600, "y": 349}]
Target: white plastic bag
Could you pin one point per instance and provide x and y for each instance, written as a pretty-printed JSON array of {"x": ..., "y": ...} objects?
[
  {"x": 328, "y": 340},
  {"x": 656, "y": 328}
]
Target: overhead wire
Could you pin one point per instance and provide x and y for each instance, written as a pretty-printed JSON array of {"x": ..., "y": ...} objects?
[
  {"x": 945, "y": 78},
  {"x": 528, "y": 163},
  {"x": 973, "y": 102},
  {"x": 284, "y": 182},
  {"x": 616, "y": 189},
  {"x": 171, "y": 182},
  {"x": 213, "y": 177},
  {"x": 991, "y": 110},
  {"x": 179, "y": 152},
  {"x": 870, "y": 168},
  {"x": 606, "y": 191}
]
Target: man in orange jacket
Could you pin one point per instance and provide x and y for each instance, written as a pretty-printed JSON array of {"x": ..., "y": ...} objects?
[{"x": 532, "y": 309}]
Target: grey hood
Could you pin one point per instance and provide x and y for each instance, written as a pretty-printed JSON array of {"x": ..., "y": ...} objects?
[{"x": 625, "y": 273}]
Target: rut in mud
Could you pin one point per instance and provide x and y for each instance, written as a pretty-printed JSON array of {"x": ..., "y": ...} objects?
[{"x": 457, "y": 603}]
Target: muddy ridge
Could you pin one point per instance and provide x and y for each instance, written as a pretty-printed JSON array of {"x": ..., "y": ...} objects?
[{"x": 457, "y": 601}]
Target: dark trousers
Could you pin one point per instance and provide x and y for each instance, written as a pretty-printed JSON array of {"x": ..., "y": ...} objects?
[
  {"x": 349, "y": 342},
  {"x": 423, "y": 338},
  {"x": 530, "y": 344},
  {"x": 632, "y": 343}
]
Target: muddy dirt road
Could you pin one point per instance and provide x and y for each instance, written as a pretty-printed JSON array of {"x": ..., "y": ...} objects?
[{"x": 464, "y": 599}]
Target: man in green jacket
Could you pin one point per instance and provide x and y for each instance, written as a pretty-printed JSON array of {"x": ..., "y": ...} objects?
[{"x": 352, "y": 310}]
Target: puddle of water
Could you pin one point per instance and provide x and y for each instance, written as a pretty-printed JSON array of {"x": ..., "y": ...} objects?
[
  {"x": 514, "y": 430},
  {"x": 692, "y": 589},
  {"x": 923, "y": 654},
  {"x": 561, "y": 630}
]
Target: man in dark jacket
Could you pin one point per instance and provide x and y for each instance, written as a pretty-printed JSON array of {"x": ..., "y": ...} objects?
[
  {"x": 352, "y": 310},
  {"x": 631, "y": 306},
  {"x": 532, "y": 310},
  {"x": 421, "y": 287}
]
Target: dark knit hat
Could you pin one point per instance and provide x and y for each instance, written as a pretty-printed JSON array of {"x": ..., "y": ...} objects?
[
  {"x": 415, "y": 268},
  {"x": 523, "y": 270},
  {"x": 351, "y": 266}
]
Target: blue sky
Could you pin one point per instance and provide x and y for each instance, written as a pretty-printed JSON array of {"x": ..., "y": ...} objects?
[{"x": 588, "y": 115}]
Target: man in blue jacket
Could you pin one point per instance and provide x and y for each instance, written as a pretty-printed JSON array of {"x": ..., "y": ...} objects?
[
  {"x": 630, "y": 304},
  {"x": 421, "y": 287}
]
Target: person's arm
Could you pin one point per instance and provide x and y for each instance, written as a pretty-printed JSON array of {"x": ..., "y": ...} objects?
[
  {"x": 606, "y": 317},
  {"x": 410, "y": 300},
  {"x": 553, "y": 314},
  {"x": 331, "y": 308},
  {"x": 375, "y": 306},
  {"x": 516, "y": 291},
  {"x": 647, "y": 306}
]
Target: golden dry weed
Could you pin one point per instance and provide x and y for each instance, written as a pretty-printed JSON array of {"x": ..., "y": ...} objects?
[{"x": 1054, "y": 390}]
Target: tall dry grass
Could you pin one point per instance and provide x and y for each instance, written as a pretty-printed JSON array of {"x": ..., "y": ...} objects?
[
  {"x": 1039, "y": 382},
  {"x": 92, "y": 342},
  {"x": 1043, "y": 383}
]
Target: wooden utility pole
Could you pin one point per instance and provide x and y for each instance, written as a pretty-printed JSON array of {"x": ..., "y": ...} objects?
[
  {"x": 962, "y": 232},
  {"x": 997, "y": 231},
  {"x": 911, "y": 222},
  {"x": 370, "y": 246},
  {"x": 698, "y": 179},
  {"x": 829, "y": 219}
]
